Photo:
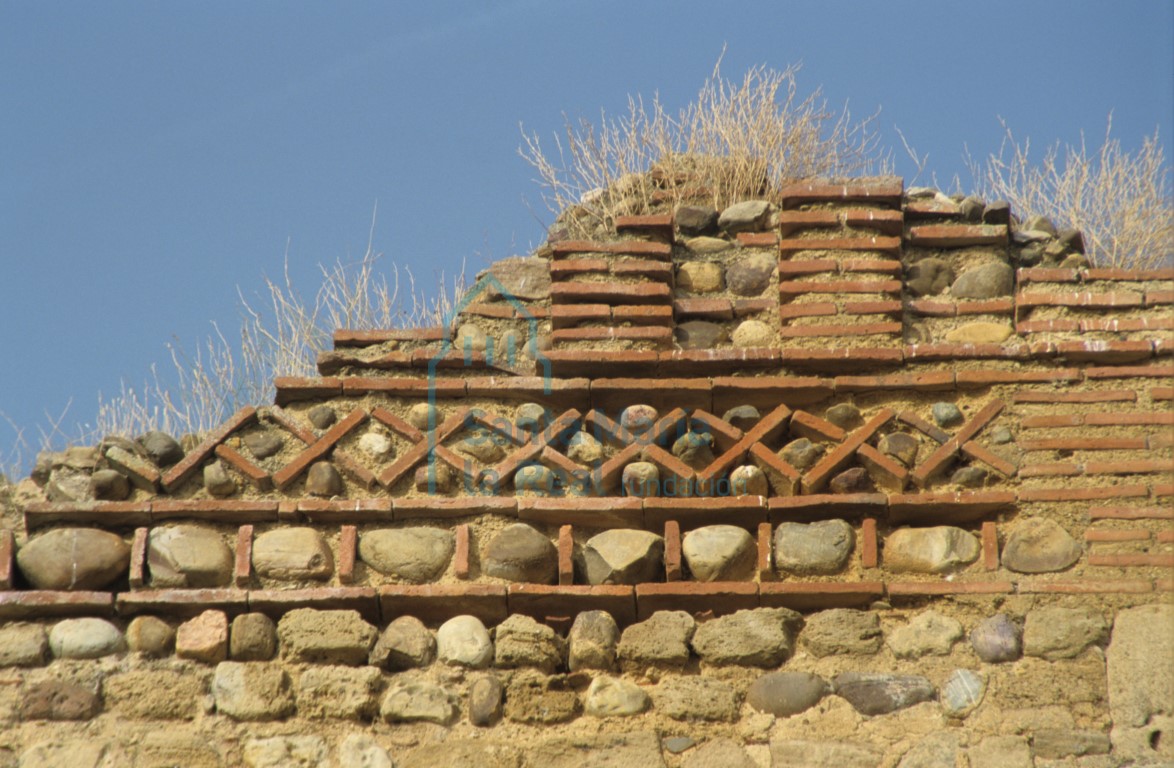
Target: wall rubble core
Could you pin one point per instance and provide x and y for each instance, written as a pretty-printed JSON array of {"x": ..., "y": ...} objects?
[{"x": 854, "y": 476}]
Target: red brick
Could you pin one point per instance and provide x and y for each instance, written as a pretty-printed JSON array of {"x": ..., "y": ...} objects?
[
  {"x": 1082, "y": 494},
  {"x": 277, "y": 602},
  {"x": 1130, "y": 419},
  {"x": 294, "y": 388},
  {"x": 987, "y": 307},
  {"x": 757, "y": 239},
  {"x": 653, "y": 270},
  {"x": 1056, "y": 325},
  {"x": 885, "y": 190},
  {"x": 700, "y": 362},
  {"x": 613, "y": 395},
  {"x": 793, "y": 221},
  {"x": 639, "y": 333},
  {"x": 979, "y": 452},
  {"x": 1105, "y": 351},
  {"x": 952, "y": 506},
  {"x": 807, "y": 266},
  {"x": 1051, "y": 469},
  {"x": 214, "y": 510},
  {"x": 1131, "y": 513},
  {"x": 1162, "y": 393},
  {"x": 1164, "y": 585},
  {"x": 287, "y": 474},
  {"x": 178, "y": 474},
  {"x": 897, "y": 382},
  {"x": 818, "y": 476},
  {"x": 744, "y": 511},
  {"x": 784, "y": 479},
  {"x": 1048, "y": 275},
  {"x": 868, "y": 543},
  {"x": 672, "y": 550},
  {"x": 569, "y": 315},
  {"x": 947, "y": 351},
  {"x": 744, "y": 307},
  {"x": 695, "y": 597},
  {"x": 817, "y": 595},
  {"x": 872, "y": 307},
  {"x": 882, "y": 266},
  {"x": 1101, "y": 396},
  {"x": 1157, "y": 370},
  {"x": 610, "y": 293},
  {"x": 257, "y": 476},
  {"x": 1052, "y": 421},
  {"x": 931, "y": 209},
  {"x": 345, "y": 337},
  {"x": 138, "y": 560},
  {"x": 936, "y": 434},
  {"x": 541, "y": 600},
  {"x": 765, "y": 561},
  {"x": 825, "y": 505},
  {"x": 838, "y": 359},
  {"x": 1165, "y": 537},
  {"x": 976, "y": 423},
  {"x": 888, "y": 222},
  {"x": 860, "y": 329},
  {"x": 345, "y": 510},
  {"x": 586, "y": 511},
  {"x": 707, "y": 309},
  {"x": 1123, "y": 324},
  {"x": 814, "y": 428},
  {"x": 278, "y": 414},
  {"x": 437, "y": 603},
  {"x": 1086, "y": 586},
  {"x": 659, "y": 225},
  {"x": 1137, "y": 275},
  {"x": 886, "y": 473},
  {"x": 242, "y": 571},
  {"x": 566, "y": 554},
  {"x": 1135, "y": 534},
  {"x": 932, "y": 308},
  {"x": 643, "y": 315},
  {"x": 957, "y": 235},
  {"x": 1108, "y": 300},
  {"x": 589, "y": 362},
  {"x": 802, "y": 287},
  {"x": 347, "y": 541},
  {"x": 990, "y": 546},
  {"x": 768, "y": 391},
  {"x": 1134, "y": 560},
  {"x": 931, "y": 588},
  {"x": 109, "y": 513},
  {"x": 625, "y": 248},
  {"x": 816, "y": 309},
  {"x": 571, "y": 268},
  {"x": 1134, "y": 467},
  {"x": 1157, "y": 298},
  {"x": 445, "y": 507},
  {"x": 37, "y": 604},
  {"x": 1163, "y": 489},
  {"x": 940, "y": 457},
  {"x": 1083, "y": 444},
  {"x": 181, "y": 602},
  {"x": 983, "y": 378}
]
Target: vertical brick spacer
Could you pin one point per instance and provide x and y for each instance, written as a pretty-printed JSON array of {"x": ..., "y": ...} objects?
[
  {"x": 765, "y": 564},
  {"x": 243, "y": 569},
  {"x": 990, "y": 546},
  {"x": 7, "y": 553},
  {"x": 138, "y": 559},
  {"x": 672, "y": 550},
  {"x": 287, "y": 511},
  {"x": 566, "y": 555},
  {"x": 868, "y": 548},
  {"x": 461, "y": 564},
  {"x": 348, "y": 537}
]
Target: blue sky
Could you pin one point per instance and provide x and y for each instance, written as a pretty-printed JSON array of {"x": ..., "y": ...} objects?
[{"x": 156, "y": 156}]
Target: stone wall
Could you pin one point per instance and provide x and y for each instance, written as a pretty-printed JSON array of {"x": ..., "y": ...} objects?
[{"x": 858, "y": 476}]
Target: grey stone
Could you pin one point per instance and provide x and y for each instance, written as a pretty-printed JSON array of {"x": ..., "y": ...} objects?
[
  {"x": 583, "y": 448},
  {"x": 696, "y": 698},
  {"x": 1071, "y": 239},
  {"x": 699, "y": 334},
  {"x": 358, "y": 750},
  {"x": 802, "y": 453},
  {"x": 748, "y": 216},
  {"x": 73, "y": 559},
  {"x": 719, "y": 753},
  {"x": 1040, "y": 545},
  {"x": 485, "y": 694},
  {"x": 419, "y": 701},
  {"x": 742, "y": 417},
  {"x": 901, "y": 446},
  {"x": 520, "y": 641},
  {"x": 719, "y": 553},
  {"x": 541, "y": 700},
  {"x": 312, "y": 636},
  {"x": 263, "y": 444},
  {"x": 463, "y": 641},
  {"x": 823, "y": 754},
  {"x": 842, "y": 631},
  {"x": 150, "y": 636},
  {"x": 879, "y": 694},
  {"x": 930, "y": 550},
  {"x": 292, "y": 554},
  {"x": 58, "y": 700},
  {"x": 988, "y": 281},
  {"x": 1000, "y": 752},
  {"x": 521, "y": 553},
  {"x": 1074, "y": 261},
  {"x": 749, "y": 480},
  {"x": 928, "y": 634},
  {"x": 416, "y": 555},
  {"x": 217, "y": 481},
  {"x": 109, "y": 485},
  {"x": 1040, "y": 224},
  {"x": 854, "y": 480},
  {"x": 188, "y": 556},
  {"x": 521, "y": 277},
  {"x": 695, "y": 220},
  {"x": 845, "y": 416},
  {"x": 481, "y": 446},
  {"x": 322, "y": 416},
  {"x": 252, "y": 637},
  {"x": 1053, "y": 632},
  {"x": 962, "y": 692},
  {"x": 813, "y": 548},
  {"x": 750, "y": 275},
  {"x": 405, "y": 644},
  {"x": 1001, "y": 436},
  {"x": 338, "y": 693},
  {"x": 609, "y": 696},
  {"x": 947, "y": 414},
  {"x": 783, "y": 694},
  {"x": 678, "y": 744},
  {"x": 928, "y": 277},
  {"x": 323, "y": 480},
  {"x": 997, "y": 639},
  {"x": 88, "y": 638},
  {"x": 23, "y": 645},
  {"x": 969, "y": 477},
  {"x": 997, "y": 212},
  {"x": 161, "y": 448},
  {"x": 66, "y": 484},
  {"x": 534, "y": 478},
  {"x": 663, "y": 638},
  {"x": 1141, "y": 665},
  {"x": 376, "y": 445},
  {"x": 285, "y": 752},
  {"x": 1059, "y": 743},
  {"x": 591, "y": 642},
  {"x": 622, "y": 556},
  {"x": 971, "y": 209},
  {"x": 934, "y": 750},
  {"x": 532, "y": 417},
  {"x": 641, "y": 479},
  {"x": 638, "y": 419},
  {"x": 759, "y": 637},
  {"x": 470, "y": 337},
  {"x": 252, "y": 691}
]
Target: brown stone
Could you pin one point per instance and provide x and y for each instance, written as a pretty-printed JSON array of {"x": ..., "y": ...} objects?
[{"x": 204, "y": 638}]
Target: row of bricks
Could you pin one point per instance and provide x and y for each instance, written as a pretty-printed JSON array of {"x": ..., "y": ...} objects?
[
  {"x": 705, "y": 391},
  {"x": 1129, "y": 535},
  {"x": 1089, "y": 300},
  {"x": 1097, "y": 325},
  {"x": 1091, "y": 275},
  {"x": 493, "y": 603},
  {"x": 1099, "y": 419},
  {"x": 1072, "y": 469},
  {"x": 568, "y": 315}
]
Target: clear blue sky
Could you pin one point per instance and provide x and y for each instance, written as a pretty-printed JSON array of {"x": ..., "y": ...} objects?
[{"x": 156, "y": 156}]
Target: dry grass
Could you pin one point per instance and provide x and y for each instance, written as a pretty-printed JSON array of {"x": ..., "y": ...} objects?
[
  {"x": 738, "y": 140},
  {"x": 1121, "y": 201}
]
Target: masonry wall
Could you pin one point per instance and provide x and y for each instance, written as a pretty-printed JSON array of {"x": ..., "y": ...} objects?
[{"x": 860, "y": 476}]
